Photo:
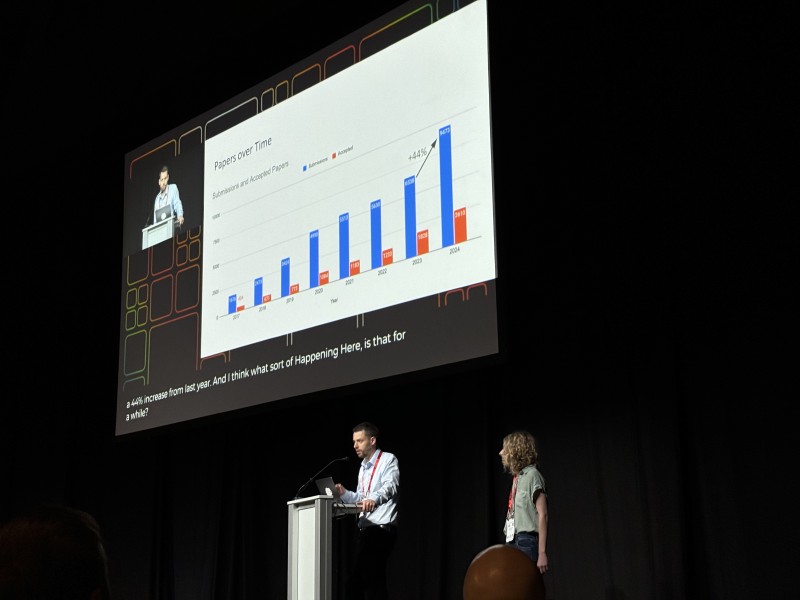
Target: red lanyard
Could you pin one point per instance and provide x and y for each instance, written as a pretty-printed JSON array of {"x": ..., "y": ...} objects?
[
  {"x": 375, "y": 466},
  {"x": 511, "y": 495}
]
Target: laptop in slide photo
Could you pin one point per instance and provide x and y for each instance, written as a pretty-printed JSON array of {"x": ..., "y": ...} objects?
[{"x": 165, "y": 212}]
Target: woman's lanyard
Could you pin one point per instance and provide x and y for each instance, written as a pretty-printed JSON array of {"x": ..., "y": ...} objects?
[
  {"x": 511, "y": 495},
  {"x": 369, "y": 486}
]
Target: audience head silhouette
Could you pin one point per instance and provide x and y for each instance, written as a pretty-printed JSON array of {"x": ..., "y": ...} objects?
[
  {"x": 53, "y": 552},
  {"x": 502, "y": 572}
]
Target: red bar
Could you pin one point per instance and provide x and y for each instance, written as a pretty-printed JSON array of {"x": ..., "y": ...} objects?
[
  {"x": 388, "y": 256},
  {"x": 355, "y": 267},
  {"x": 240, "y": 308},
  {"x": 266, "y": 298},
  {"x": 460, "y": 217},
  {"x": 324, "y": 278},
  {"x": 422, "y": 242},
  {"x": 294, "y": 288}
]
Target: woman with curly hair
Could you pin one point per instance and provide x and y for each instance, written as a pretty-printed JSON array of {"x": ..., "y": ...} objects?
[{"x": 526, "y": 520}]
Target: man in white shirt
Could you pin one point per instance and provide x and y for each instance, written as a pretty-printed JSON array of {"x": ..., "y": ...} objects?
[
  {"x": 377, "y": 497},
  {"x": 168, "y": 194}
]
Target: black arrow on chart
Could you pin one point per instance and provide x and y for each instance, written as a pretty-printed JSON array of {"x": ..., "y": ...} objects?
[{"x": 433, "y": 145}]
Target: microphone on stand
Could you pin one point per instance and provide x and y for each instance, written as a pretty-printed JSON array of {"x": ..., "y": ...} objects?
[{"x": 315, "y": 475}]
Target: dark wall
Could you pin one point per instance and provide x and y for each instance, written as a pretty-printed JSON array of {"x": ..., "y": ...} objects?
[{"x": 643, "y": 336}]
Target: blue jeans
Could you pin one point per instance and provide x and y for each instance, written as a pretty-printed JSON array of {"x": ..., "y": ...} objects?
[{"x": 528, "y": 542}]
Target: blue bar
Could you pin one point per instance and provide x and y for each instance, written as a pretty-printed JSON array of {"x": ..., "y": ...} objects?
[
  {"x": 231, "y": 304},
  {"x": 284, "y": 277},
  {"x": 313, "y": 253},
  {"x": 410, "y": 192},
  {"x": 375, "y": 233},
  {"x": 258, "y": 290},
  {"x": 446, "y": 185},
  {"x": 344, "y": 246}
]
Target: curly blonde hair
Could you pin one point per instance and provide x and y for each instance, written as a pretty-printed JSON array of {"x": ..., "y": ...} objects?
[{"x": 520, "y": 450}]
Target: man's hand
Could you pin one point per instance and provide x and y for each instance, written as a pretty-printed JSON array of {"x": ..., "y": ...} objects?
[{"x": 366, "y": 505}]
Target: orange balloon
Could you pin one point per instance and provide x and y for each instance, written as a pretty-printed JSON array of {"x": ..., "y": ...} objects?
[{"x": 502, "y": 572}]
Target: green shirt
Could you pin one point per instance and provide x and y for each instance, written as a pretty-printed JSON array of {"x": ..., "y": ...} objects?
[{"x": 530, "y": 483}]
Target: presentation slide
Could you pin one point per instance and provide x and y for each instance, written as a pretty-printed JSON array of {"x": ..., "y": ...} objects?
[
  {"x": 336, "y": 226},
  {"x": 357, "y": 195}
]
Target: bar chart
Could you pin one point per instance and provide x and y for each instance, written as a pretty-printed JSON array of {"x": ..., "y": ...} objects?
[{"x": 316, "y": 210}]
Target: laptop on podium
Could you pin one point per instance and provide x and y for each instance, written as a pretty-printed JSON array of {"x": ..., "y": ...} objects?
[{"x": 327, "y": 487}]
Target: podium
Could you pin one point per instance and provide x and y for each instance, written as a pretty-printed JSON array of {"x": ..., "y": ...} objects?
[
  {"x": 158, "y": 232},
  {"x": 310, "y": 544}
]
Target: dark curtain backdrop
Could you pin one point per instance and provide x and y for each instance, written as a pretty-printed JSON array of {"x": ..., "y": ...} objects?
[
  {"x": 645, "y": 261},
  {"x": 648, "y": 491}
]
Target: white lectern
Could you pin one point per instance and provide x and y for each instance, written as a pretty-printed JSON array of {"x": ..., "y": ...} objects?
[
  {"x": 158, "y": 232},
  {"x": 310, "y": 535}
]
